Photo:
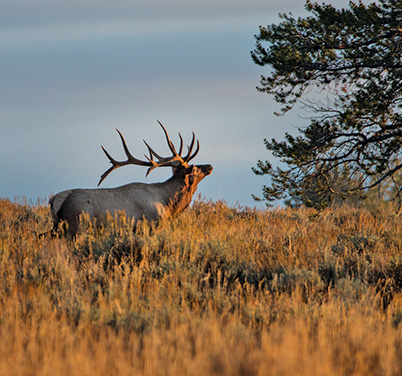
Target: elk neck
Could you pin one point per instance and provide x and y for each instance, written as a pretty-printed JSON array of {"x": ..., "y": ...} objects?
[{"x": 178, "y": 192}]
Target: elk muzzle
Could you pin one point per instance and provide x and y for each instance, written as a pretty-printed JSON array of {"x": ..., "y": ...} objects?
[{"x": 206, "y": 169}]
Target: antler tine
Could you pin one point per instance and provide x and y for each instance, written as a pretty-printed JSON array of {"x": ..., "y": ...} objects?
[
  {"x": 170, "y": 143},
  {"x": 123, "y": 141},
  {"x": 189, "y": 156},
  {"x": 112, "y": 160},
  {"x": 115, "y": 164},
  {"x": 151, "y": 168},
  {"x": 195, "y": 153},
  {"x": 108, "y": 171},
  {"x": 130, "y": 160},
  {"x": 190, "y": 149},
  {"x": 181, "y": 144},
  {"x": 162, "y": 161},
  {"x": 151, "y": 152}
]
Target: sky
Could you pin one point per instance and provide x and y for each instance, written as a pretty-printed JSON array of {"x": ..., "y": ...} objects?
[{"x": 73, "y": 71}]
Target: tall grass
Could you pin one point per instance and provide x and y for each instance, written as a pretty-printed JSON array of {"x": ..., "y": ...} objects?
[{"x": 216, "y": 291}]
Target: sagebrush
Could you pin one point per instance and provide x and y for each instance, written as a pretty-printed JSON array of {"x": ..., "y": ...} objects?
[{"x": 218, "y": 290}]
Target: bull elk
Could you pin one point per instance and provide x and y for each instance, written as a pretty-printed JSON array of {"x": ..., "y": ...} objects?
[{"x": 138, "y": 200}]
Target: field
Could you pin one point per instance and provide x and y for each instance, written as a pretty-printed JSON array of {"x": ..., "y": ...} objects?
[{"x": 217, "y": 291}]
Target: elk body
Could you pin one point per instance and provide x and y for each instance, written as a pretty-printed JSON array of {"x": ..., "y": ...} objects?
[{"x": 137, "y": 200}]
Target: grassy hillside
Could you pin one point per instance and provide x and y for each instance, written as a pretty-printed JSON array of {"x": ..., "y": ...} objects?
[{"x": 216, "y": 291}]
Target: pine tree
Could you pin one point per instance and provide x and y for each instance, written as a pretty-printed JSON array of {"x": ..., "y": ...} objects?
[{"x": 352, "y": 60}]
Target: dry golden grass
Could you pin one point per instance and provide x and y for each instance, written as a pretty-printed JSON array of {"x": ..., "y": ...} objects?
[{"x": 216, "y": 291}]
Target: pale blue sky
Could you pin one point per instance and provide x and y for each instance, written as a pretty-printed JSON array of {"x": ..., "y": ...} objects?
[{"x": 71, "y": 72}]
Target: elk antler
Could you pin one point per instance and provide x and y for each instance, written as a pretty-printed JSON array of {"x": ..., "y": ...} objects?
[{"x": 174, "y": 161}]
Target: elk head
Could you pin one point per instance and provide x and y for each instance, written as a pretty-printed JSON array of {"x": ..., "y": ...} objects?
[{"x": 179, "y": 163}]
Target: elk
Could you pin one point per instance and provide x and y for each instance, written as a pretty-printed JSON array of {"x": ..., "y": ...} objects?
[{"x": 138, "y": 200}]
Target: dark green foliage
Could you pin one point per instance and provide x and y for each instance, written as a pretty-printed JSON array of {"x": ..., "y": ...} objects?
[{"x": 345, "y": 65}]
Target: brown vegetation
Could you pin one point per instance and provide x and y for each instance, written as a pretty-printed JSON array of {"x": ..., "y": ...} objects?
[{"x": 216, "y": 291}]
